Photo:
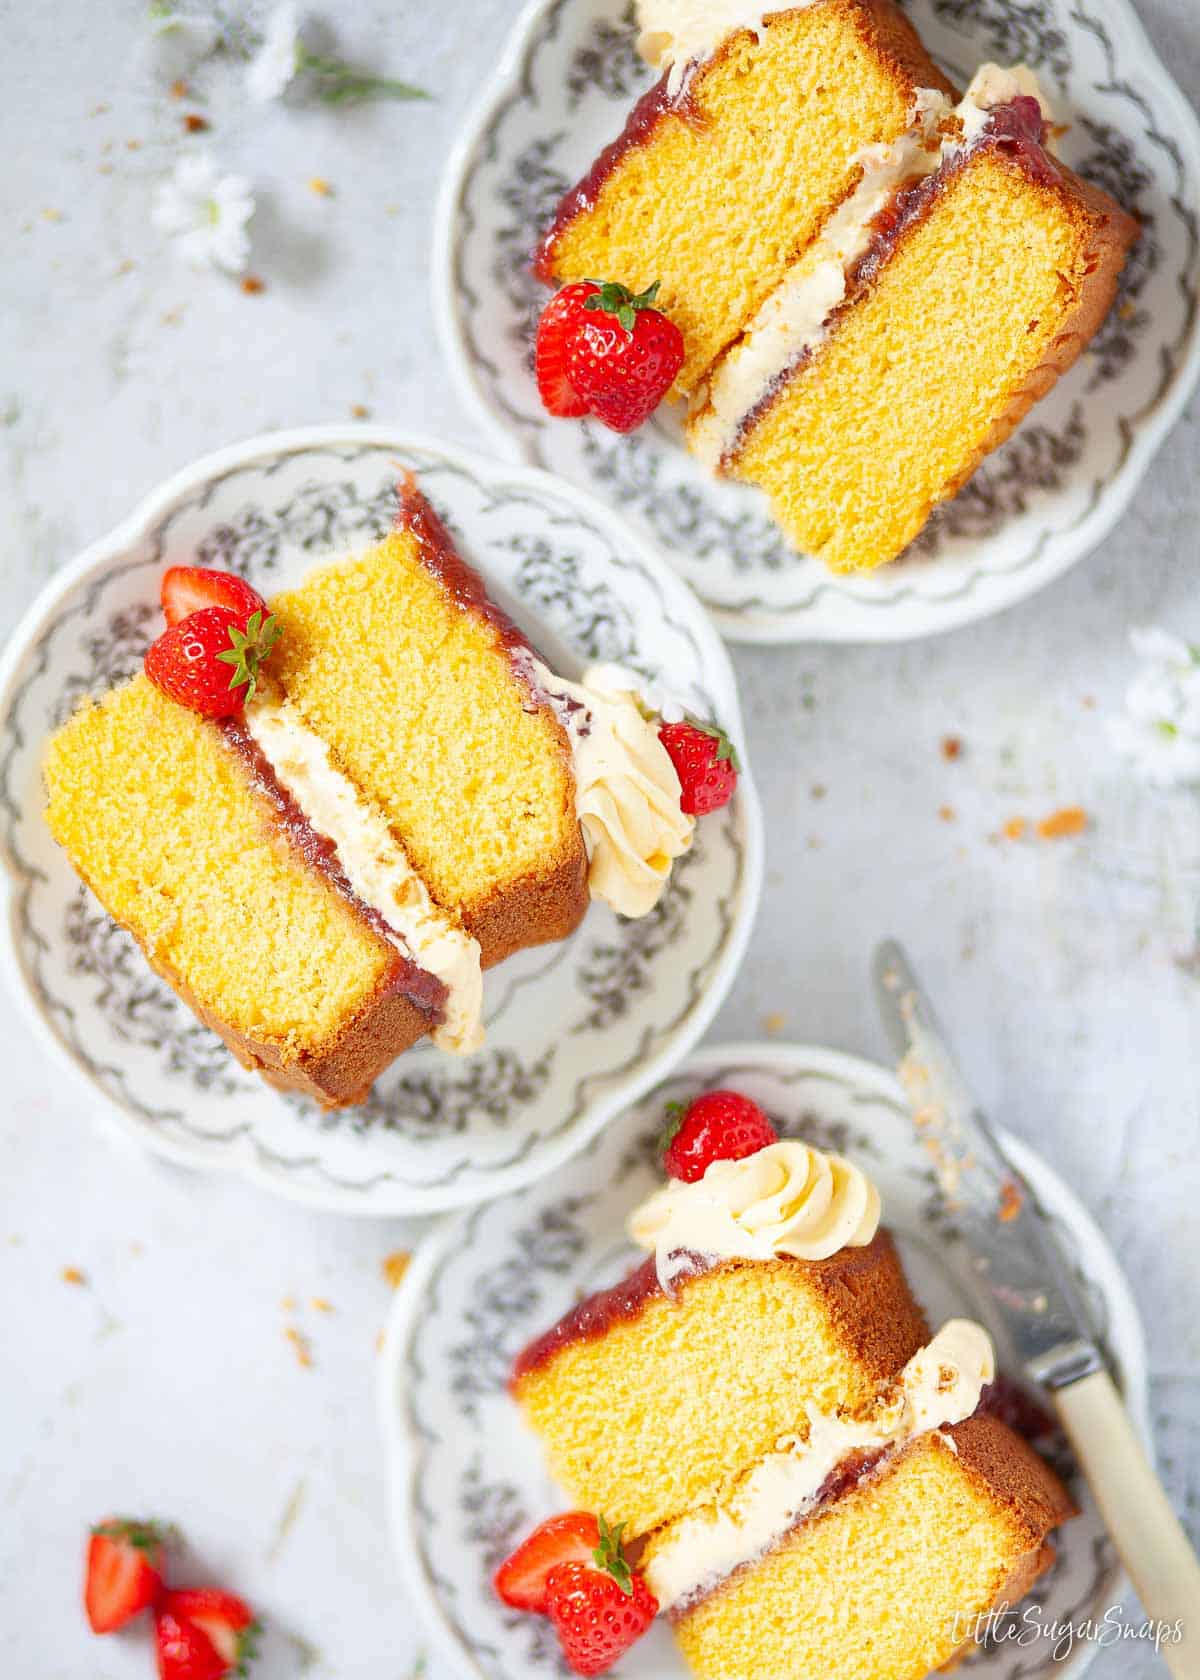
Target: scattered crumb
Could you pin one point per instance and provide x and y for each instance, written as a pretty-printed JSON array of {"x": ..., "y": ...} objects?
[
  {"x": 302, "y": 1346},
  {"x": 288, "y": 1304},
  {"x": 179, "y": 89},
  {"x": 1060, "y": 824},
  {"x": 194, "y": 123},
  {"x": 1011, "y": 1201},
  {"x": 252, "y": 285},
  {"x": 320, "y": 1304},
  {"x": 952, "y": 746},
  {"x": 379, "y": 1341},
  {"x": 946, "y": 812},
  {"x": 818, "y": 790},
  {"x": 51, "y": 215},
  {"x": 775, "y": 1021},
  {"x": 126, "y": 266},
  {"x": 101, "y": 109},
  {"x": 319, "y": 185},
  {"x": 133, "y": 145},
  {"x": 1014, "y": 828},
  {"x": 104, "y": 169},
  {"x": 1127, "y": 310},
  {"x": 72, "y": 1274},
  {"x": 359, "y": 411},
  {"x": 394, "y": 1267},
  {"x": 172, "y": 317},
  {"x": 1089, "y": 702}
]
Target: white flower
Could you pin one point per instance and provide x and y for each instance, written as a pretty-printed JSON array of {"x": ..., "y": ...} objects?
[
  {"x": 207, "y": 213},
  {"x": 179, "y": 40},
  {"x": 1160, "y": 730},
  {"x": 278, "y": 59}
]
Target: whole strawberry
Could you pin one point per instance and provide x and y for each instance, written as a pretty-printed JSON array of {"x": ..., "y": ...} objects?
[
  {"x": 717, "y": 1126},
  {"x": 706, "y": 763},
  {"x": 599, "y": 1609},
  {"x": 604, "y": 350},
  {"x": 211, "y": 660}
]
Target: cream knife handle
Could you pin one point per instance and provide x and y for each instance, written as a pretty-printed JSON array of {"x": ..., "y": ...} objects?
[{"x": 1145, "y": 1530}]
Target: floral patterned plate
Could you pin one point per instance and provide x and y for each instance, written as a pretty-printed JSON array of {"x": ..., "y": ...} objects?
[
  {"x": 1052, "y": 493},
  {"x": 466, "y": 1479},
  {"x": 575, "y": 1030}
]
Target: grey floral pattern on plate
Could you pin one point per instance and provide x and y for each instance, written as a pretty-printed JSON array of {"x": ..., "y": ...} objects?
[
  {"x": 466, "y": 1480},
  {"x": 1050, "y": 494},
  {"x": 572, "y": 1028}
]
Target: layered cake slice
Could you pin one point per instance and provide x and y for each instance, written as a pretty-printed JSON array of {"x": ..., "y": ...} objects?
[
  {"x": 322, "y": 824},
  {"x": 945, "y": 297},
  {"x": 729, "y": 165},
  {"x": 807, "y": 1483},
  {"x": 768, "y": 1288}
]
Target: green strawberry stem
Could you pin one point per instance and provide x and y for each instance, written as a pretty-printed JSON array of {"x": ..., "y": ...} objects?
[
  {"x": 248, "y": 650},
  {"x": 609, "y": 1557},
  {"x": 618, "y": 300},
  {"x": 725, "y": 747}
]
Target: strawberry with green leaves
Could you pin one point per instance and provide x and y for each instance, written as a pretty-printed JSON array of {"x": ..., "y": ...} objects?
[
  {"x": 211, "y": 661},
  {"x": 123, "y": 1573},
  {"x": 604, "y": 350},
  {"x": 203, "y": 1634},
  {"x": 706, "y": 763},
  {"x": 715, "y": 1126},
  {"x": 573, "y": 1570}
]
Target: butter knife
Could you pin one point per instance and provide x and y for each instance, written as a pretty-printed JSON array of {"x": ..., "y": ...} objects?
[{"x": 1019, "y": 1265}]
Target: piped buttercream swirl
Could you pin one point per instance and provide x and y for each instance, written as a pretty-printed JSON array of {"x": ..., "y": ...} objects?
[
  {"x": 626, "y": 790},
  {"x": 788, "y": 1199}
]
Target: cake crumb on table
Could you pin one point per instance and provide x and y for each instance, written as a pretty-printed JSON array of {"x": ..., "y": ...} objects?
[
  {"x": 194, "y": 123},
  {"x": 72, "y": 1274},
  {"x": 359, "y": 411},
  {"x": 1014, "y": 828},
  {"x": 952, "y": 746},
  {"x": 394, "y": 1267},
  {"x": 1060, "y": 824},
  {"x": 302, "y": 1346},
  {"x": 775, "y": 1021},
  {"x": 321, "y": 1304},
  {"x": 319, "y": 185},
  {"x": 252, "y": 285},
  {"x": 1011, "y": 1201},
  {"x": 946, "y": 812}
]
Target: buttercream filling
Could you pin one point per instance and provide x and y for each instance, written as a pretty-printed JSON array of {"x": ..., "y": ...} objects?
[
  {"x": 374, "y": 863},
  {"x": 940, "y": 1386},
  {"x": 786, "y": 1199},
  {"x": 795, "y": 320},
  {"x": 627, "y": 791}
]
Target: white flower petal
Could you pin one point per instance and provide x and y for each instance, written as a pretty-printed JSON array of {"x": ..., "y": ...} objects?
[
  {"x": 207, "y": 213},
  {"x": 277, "y": 60},
  {"x": 1161, "y": 647}
]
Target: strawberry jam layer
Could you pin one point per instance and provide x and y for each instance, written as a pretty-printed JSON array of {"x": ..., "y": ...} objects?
[
  {"x": 597, "y": 1314},
  {"x": 406, "y": 978},
  {"x": 1009, "y": 1403},
  {"x": 654, "y": 104}
]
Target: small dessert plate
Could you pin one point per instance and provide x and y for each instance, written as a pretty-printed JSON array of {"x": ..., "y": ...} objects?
[
  {"x": 466, "y": 1479},
  {"x": 576, "y": 1031},
  {"x": 561, "y": 92}
]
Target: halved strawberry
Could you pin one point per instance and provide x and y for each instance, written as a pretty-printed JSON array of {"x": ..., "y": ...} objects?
[
  {"x": 189, "y": 589},
  {"x": 124, "y": 1571},
  {"x": 193, "y": 1618},
  {"x": 573, "y": 1537},
  {"x": 559, "y": 321}
]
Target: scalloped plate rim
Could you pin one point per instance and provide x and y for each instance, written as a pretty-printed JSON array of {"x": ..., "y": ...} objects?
[
  {"x": 398, "y": 1442},
  {"x": 232, "y": 1156},
  {"x": 780, "y": 626}
]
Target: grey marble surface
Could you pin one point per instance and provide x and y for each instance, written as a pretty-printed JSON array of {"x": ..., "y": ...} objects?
[{"x": 1067, "y": 972}]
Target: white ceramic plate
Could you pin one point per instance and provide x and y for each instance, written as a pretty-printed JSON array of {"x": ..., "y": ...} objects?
[
  {"x": 1053, "y": 492},
  {"x": 466, "y": 1480},
  {"x": 575, "y": 1030}
]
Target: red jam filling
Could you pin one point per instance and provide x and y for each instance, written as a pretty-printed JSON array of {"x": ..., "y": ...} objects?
[{"x": 1011, "y": 1404}]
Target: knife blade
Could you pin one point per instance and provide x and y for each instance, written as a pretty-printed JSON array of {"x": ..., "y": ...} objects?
[
  {"x": 1013, "y": 1250},
  {"x": 1019, "y": 1265}
]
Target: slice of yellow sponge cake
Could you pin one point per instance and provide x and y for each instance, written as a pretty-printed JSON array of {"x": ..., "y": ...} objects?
[
  {"x": 917, "y": 331},
  {"x": 729, "y": 165}
]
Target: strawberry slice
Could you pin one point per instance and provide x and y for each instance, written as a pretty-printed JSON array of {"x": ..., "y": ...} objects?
[
  {"x": 190, "y": 589},
  {"x": 124, "y": 1572},
  {"x": 204, "y": 1634},
  {"x": 560, "y": 320},
  {"x": 573, "y": 1537}
]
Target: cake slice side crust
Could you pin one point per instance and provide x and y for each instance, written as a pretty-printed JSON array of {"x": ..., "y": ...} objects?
[
  {"x": 713, "y": 194},
  {"x": 986, "y": 298},
  {"x": 888, "y": 1581},
  {"x": 714, "y": 1377}
]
